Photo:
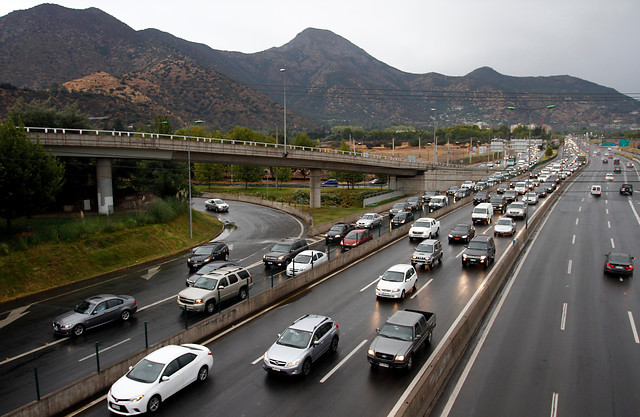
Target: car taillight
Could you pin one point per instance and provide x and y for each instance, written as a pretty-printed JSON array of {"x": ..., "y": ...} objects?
[
  {"x": 628, "y": 267},
  {"x": 610, "y": 265}
]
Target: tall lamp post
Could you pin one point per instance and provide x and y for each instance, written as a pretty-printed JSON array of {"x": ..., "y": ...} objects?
[
  {"x": 530, "y": 110},
  {"x": 284, "y": 89},
  {"x": 189, "y": 169},
  {"x": 435, "y": 141}
]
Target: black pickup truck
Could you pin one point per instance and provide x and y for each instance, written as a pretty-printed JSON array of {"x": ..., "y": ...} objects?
[{"x": 400, "y": 338}]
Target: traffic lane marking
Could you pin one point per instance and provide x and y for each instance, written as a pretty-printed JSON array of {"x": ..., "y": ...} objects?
[
  {"x": 343, "y": 361},
  {"x": 634, "y": 330},
  {"x": 104, "y": 350},
  {"x": 421, "y": 288}
]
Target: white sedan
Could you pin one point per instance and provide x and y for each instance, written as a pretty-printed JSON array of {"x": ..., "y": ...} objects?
[
  {"x": 530, "y": 198},
  {"x": 158, "y": 376},
  {"x": 397, "y": 281},
  {"x": 369, "y": 220},
  {"x": 215, "y": 204},
  {"x": 306, "y": 260},
  {"x": 609, "y": 176},
  {"x": 505, "y": 226}
]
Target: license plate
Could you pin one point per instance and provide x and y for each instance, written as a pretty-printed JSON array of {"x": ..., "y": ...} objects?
[
  {"x": 384, "y": 365},
  {"x": 116, "y": 407}
]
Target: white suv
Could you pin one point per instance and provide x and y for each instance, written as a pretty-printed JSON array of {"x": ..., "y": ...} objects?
[
  {"x": 424, "y": 228},
  {"x": 397, "y": 281}
]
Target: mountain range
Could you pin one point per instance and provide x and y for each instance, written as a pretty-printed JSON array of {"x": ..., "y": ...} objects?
[{"x": 116, "y": 73}]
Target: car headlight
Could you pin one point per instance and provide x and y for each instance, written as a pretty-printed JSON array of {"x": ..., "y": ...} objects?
[
  {"x": 264, "y": 256},
  {"x": 336, "y": 236},
  {"x": 136, "y": 399},
  {"x": 395, "y": 290},
  {"x": 67, "y": 326},
  {"x": 464, "y": 256},
  {"x": 400, "y": 358},
  {"x": 265, "y": 356},
  {"x": 465, "y": 236},
  {"x": 294, "y": 363},
  {"x": 188, "y": 259},
  {"x": 281, "y": 257},
  {"x": 207, "y": 260},
  {"x": 371, "y": 352},
  {"x": 198, "y": 301},
  {"x": 450, "y": 235},
  {"x": 483, "y": 257}
]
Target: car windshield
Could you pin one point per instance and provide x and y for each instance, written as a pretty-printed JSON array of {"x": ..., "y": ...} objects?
[
  {"x": 203, "y": 251},
  {"x": 504, "y": 222},
  {"x": 280, "y": 247},
  {"x": 393, "y": 331},
  {"x": 205, "y": 283},
  {"x": 83, "y": 308},
  {"x": 517, "y": 206},
  {"x": 402, "y": 215},
  {"x": 145, "y": 371},
  {"x": 461, "y": 228},
  {"x": 367, "y": 217},
  {"x": 425, "y": 247},
  {"x": 336, "y": 229},
  {"x": 414, "y": 199},
  {"x": 393, "y": 276},
  {"x": 480, "y": 210},
  {"x": 398, "y": 206},
  {"x": 354, "y": 235},
  {"x": 477, "y": 245},
  {"x": 422, "y": 223},
  {"x": 302, "y": 259},
  {"x": 218, "y": 201},
  {"x": 496, "y": 200},
  {"x": 531, "y": 195},
  {"x": 295, "y": 338}
]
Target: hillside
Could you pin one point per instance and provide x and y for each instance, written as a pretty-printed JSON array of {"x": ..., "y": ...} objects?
[{"x": 329, "y": 79}]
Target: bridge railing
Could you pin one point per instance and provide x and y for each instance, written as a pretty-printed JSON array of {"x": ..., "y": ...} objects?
[{"x": 144, "y": 135}]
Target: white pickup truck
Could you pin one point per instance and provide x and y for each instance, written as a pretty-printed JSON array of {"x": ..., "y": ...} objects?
[{"x": 424, "y": 228}]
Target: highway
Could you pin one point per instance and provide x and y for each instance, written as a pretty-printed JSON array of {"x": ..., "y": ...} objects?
[
  {"x": 342, "y": 384},
  {"x": 563, "y": 339}
]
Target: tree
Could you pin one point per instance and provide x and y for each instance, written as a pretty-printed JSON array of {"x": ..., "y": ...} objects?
[
  {"x": 163, "y": 178},
  {"x": 208, "y": 173},
  {"x": 281, "y": 174},
  {"x": 30, "y": 177},
  {"x": 302, "y": 139},
  {"x": 247, "y": 173},
  {"x": 44, "y": 114},
  {"x": 351, "y": 178}
]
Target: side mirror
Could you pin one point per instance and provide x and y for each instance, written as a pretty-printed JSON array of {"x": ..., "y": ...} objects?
[
  {"x": 221, "y": 287},
  {"x": 165, "y": 378},
  {"x": 378, "y": 330}
]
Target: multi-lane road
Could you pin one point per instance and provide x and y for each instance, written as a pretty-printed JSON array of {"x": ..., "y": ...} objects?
[{"x": 343, "y": 384}]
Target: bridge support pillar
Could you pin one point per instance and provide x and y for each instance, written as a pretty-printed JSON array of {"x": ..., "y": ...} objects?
[
  {"x": 105, "y": 187},
  {"x": 315, "y": 177}
]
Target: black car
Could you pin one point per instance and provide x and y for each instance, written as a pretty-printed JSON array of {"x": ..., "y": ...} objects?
[
  {"x": 617, "y": 170},
  {"x": 480, "y": 250},
  {"x": 462, "y": 232},
  {"x": 626, "y": 189},
  {"x": 210, "y": 267},
  {"x": 462, "y": 193},
  {"x": 452, "y": 190},
  {"x": 499, "y": 204},
  {"x": 502, "y": 188},
  {"x": 337, "y": 232},
  {"x": 402, "y": 218},
  {"x": 541, "y": 191},
  {"x": 415, "y": 202},
  {"x": 481, "y": 197},
  {"x": 284, "y": 251},
  {"x": 398, "y": 207},
  {"x": 510, "y": 196},
  {"x": 617, "y": 263},
  {"x": 204, "y": 254},
  {"x": 426, "y": 197}
]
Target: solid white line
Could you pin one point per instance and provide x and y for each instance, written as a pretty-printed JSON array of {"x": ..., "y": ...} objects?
[
  {"x": 563, "y": 320},
  {"x": 104, "y": 350},
  {"x": 633, "y": 327},
  {"x": 635, "y": 213},
  {"x": 87, "y": 406},
  {"x": 554, "y": 405},
  {"x": 460, "y": 254},
  {"x": 573, "y": 240},
  {"x": 173, "y": 297},
  {"x": 346, "y": 358},
  {"x": 374, "y": 282},
  {"x": 257, "y": 360},
  {"x": 569, "y": 266},
  {"x": 613, "y": 245},
  {"x": 421, "y": 288},
  {"x": 32, "y": 351}
]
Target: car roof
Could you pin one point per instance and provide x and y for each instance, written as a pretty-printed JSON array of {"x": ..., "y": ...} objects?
[
  {"x": 309, "y": 322},
  {"x": 309, "y": 252},
  {"x": 482, "y": 238},
  {"x": 168, "y": 353},
  {"x": 404, "y": 318},
  {"x": 400, "y": 267}
]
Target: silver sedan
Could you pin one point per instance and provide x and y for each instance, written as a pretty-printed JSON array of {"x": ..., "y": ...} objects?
[{"x": 93, "y": 312}]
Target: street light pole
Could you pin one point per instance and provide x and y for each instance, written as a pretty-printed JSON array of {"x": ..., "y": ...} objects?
[
  {"x": 435, "y": 141},
  {"x": 284, "y": 84},
  {"x": 189, "y": 168}
]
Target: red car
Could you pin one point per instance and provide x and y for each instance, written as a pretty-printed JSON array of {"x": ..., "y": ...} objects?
[{"x": 356, "y": 237}]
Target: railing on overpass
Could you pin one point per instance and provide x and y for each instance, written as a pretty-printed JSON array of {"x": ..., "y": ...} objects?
[{"x": 94, "y": 132}]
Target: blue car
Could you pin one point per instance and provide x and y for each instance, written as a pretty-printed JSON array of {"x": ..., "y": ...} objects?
[{"x": 330, "y": 183}]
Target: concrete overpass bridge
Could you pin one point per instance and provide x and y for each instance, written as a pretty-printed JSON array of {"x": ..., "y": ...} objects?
[{"x": 412, "y": 177}]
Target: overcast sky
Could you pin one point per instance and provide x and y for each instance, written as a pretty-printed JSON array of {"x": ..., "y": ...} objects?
[{"x": 596, "y": 40}]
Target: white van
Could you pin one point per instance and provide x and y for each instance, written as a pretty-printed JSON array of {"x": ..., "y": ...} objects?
[
  {"x": 596, "y": 190},
  {"x": 482, "y": 213},
  {"x": 521, "y": 187}
]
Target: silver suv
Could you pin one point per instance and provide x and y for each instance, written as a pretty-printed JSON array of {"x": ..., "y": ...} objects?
[
  {"x": 301, "y": 344},
  {"x": 217, "y": 286}
]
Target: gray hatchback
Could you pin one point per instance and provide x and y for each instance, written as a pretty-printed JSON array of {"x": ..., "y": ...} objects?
[
  {"x": 301, "y": 344},
  {"x": 94, "y": 312}
]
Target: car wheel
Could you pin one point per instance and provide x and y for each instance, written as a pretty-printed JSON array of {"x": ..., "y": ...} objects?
[
  {"x": 438, "y": 232},
  {"x": 226, "y": 256},
  {"x": 78, "y": 330},
  {"x": 334, "y": 344},
  {"x": 210, "y": 307},
  {"x": 402, "y": 295},
  {"x": 306, "y": 367},
  {"x": 154, "y": 404},
  {"x": 203, "y": 374},
  {"x": 440, "y": 260},
  {"x": 414, "y": 289},
  {"x": 464, "y": 264},
  {"x": 243, "y": 293},
  {"x": 410, "y": 363},
  {"x": 125, "y": 315}
]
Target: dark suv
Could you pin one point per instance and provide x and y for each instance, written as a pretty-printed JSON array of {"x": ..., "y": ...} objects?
[
  {"x": 206, "y": 253},
  {"x": 284, "y": 251},
  {"x": 337, "y": 232},
  {"x": 499, "y": 204},
  {"x": 481, "y": 197},
  {"x": 626, "y": 189},
  {"x": 480, "y": 250}
]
